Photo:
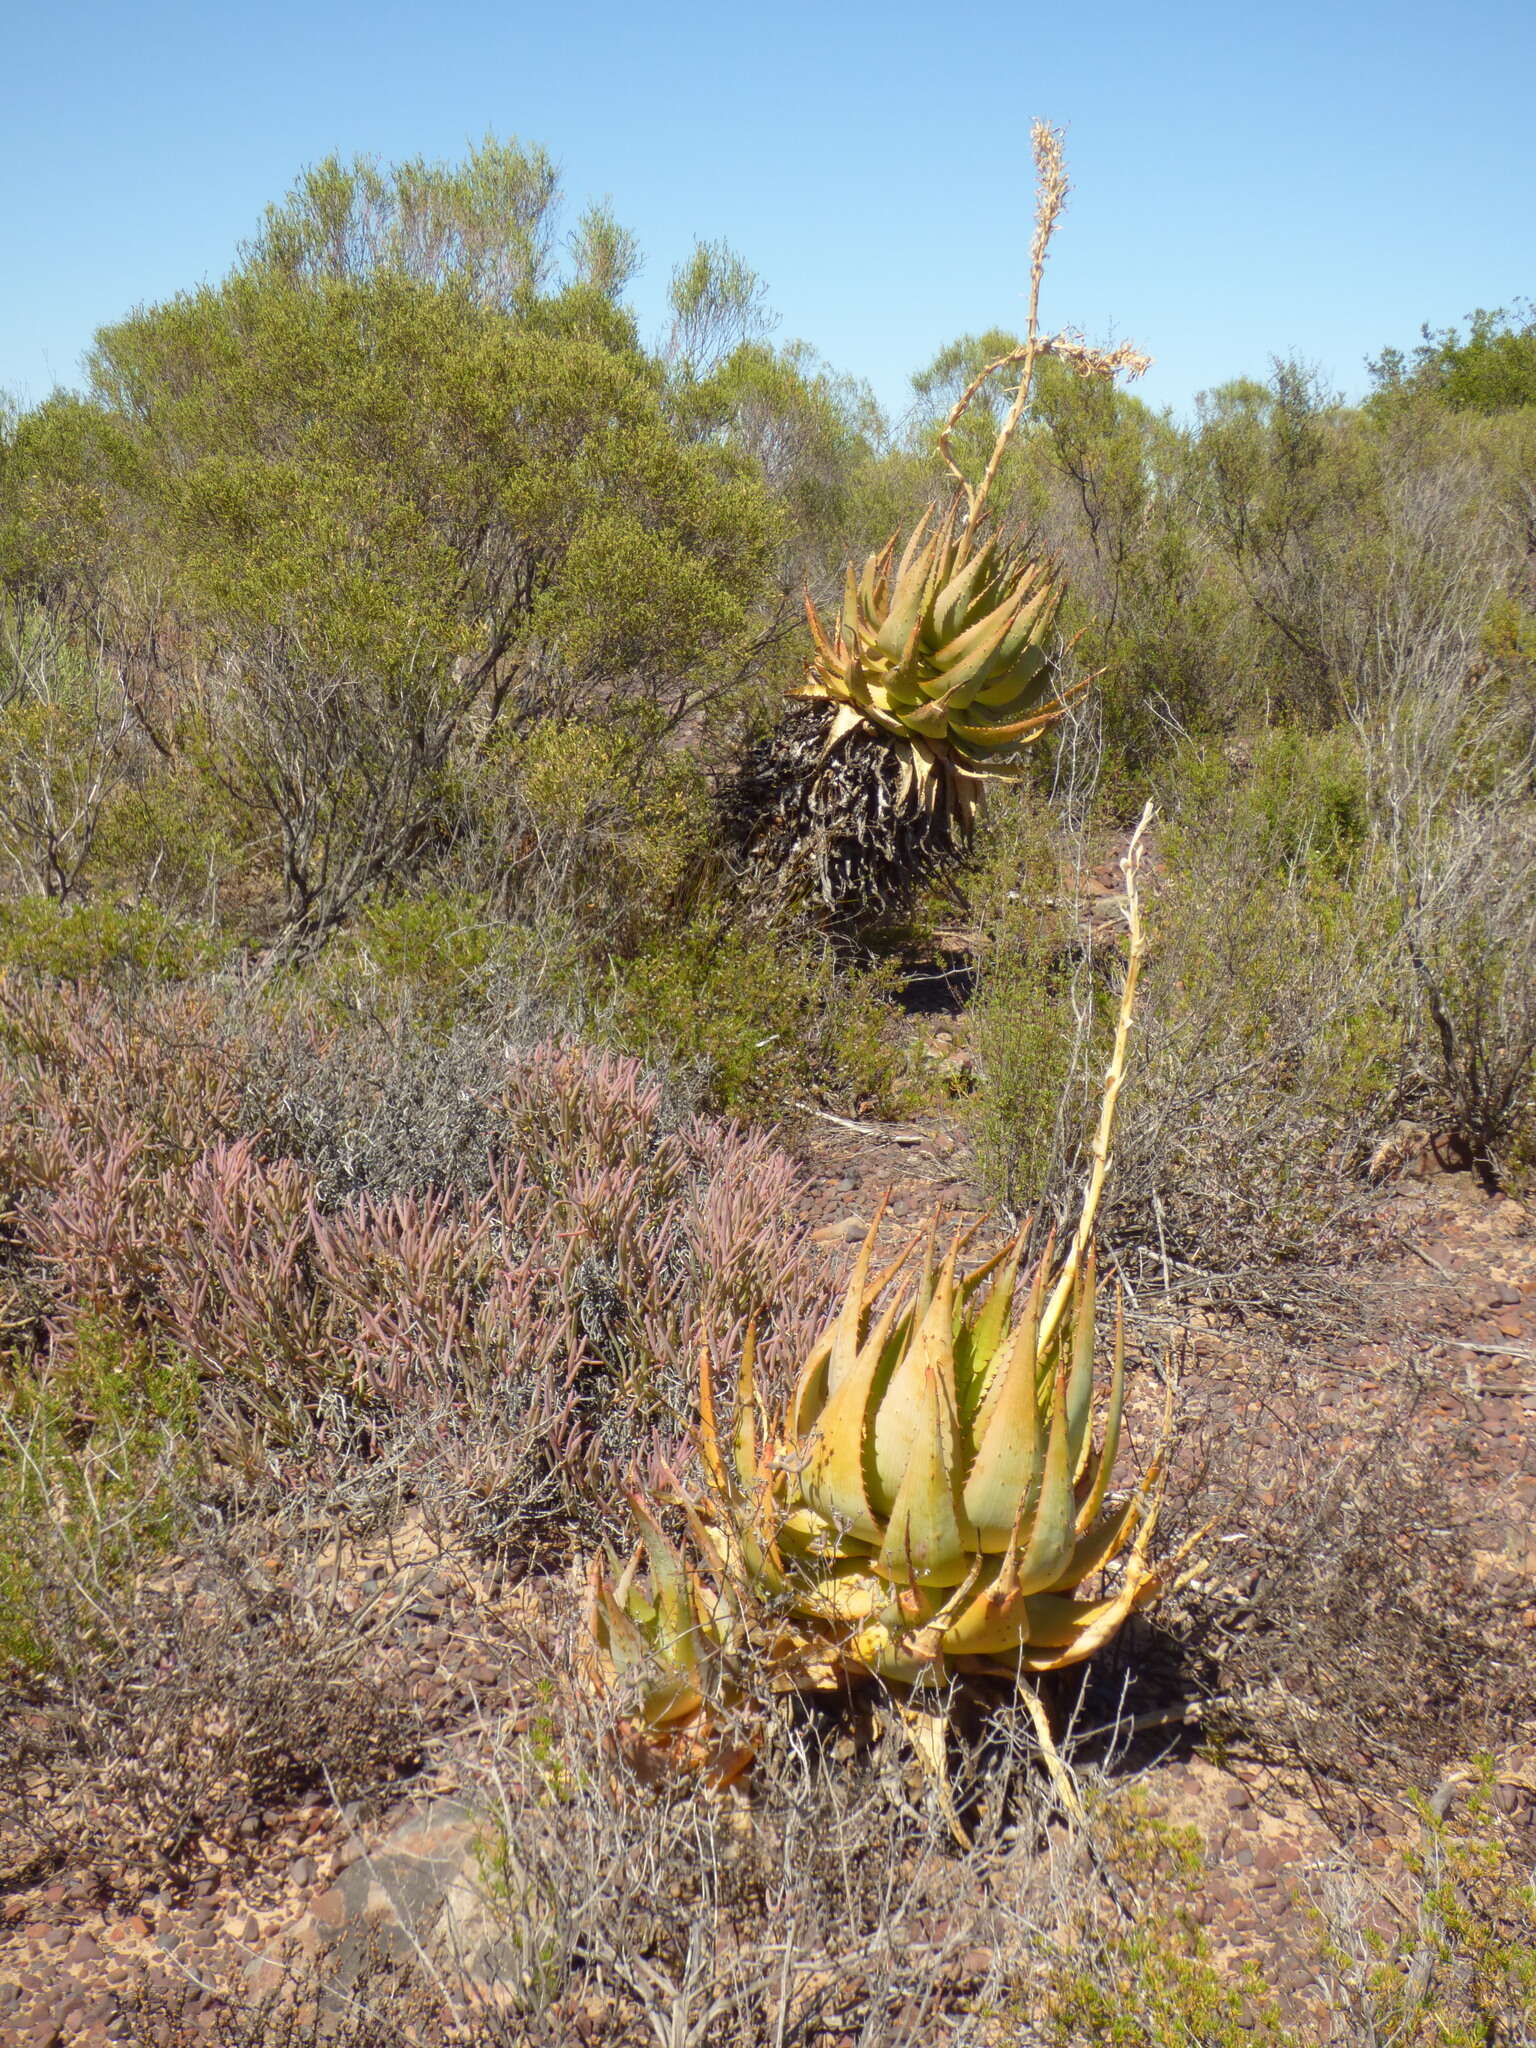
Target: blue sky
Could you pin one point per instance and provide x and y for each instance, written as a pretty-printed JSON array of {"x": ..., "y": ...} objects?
[{"x": 1311, "y": 181}]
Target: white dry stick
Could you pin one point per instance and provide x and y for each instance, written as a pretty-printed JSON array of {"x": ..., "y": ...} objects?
[{"x": 1100, "y": 1153}]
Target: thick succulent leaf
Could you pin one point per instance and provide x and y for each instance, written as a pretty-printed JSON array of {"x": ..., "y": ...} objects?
[
  {"x": 625, "y": 1582},
  {"x": 893, "y": 724},
  {"x": 677, "y": 1638},
  {"x": 715, "y": 1550},
  {"x": 810, "y": 1395},
  {"x": 836, "y": 1480},
  {"x": 931, "y": 720},
  {"x": 1031, "y": 623},
  {"x": 1052, "y": 1527},
  {"x": 1109, "y": 1448},
  {"x": 966, "y": 1286},
  {"x": 848, "y": 1330},
  {"x": 670, "y": 1702},
  {"x": 899, "y": 1416},
  {"x": 929, "y": 1270},
  {"x": 1008, "y": 1468},
  {"x": 822, "y": 1484},
  {"x": 751, "y": 1560},
  {"x": 893, "y": 695},
  {"x": 1006, "y": 734},
  {"x": 919, "y": 539},
  {"x": 877, "y": 569},
  {"x": 905, "y": 616},
  {"x": 941, "y": 569},
  {"x": 981, "y": 768},
  {"x": 1080, "y": 1380},
  {"x": 1026, "y": 1332},
  {"x": 951, "y": 608},
  {"x": 926, "y": 767},
  {"x": 978, "y": 1338},
  {"x": 927, "y": 1542},
  {"x": 964, "y": 663},
  {"x": 621, "y": 1643},
  {"x": 1055, "y": 1638},
  {"x": 847, "y": 718},
  {"x": 990, "y": 1621},
  {"x": 811, "y": 1388},
  {"x": 1016, "y": 688},
  {"x": 818, "y": 634},
  {"x": 744, "y": 1435},
  {"x": 1106, "y": 1537}
]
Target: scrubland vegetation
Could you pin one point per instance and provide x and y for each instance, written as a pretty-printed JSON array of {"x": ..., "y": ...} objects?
[{"x": 402, "y": 1003}]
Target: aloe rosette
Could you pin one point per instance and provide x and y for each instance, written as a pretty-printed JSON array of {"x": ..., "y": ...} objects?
[
  {"x": 946, "y": 653},
  {"x": 936, "y": 1497}
]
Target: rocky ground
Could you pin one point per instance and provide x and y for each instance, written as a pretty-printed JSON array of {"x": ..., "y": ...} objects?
[{"x": 1429, "y": 1341}]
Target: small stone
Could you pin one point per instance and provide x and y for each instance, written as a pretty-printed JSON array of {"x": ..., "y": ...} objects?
[
  {"x": 844, "y": 1232},
  {"x": 309, "y": 1939},
  {"x": 330, "y": 1909},
  {"x": 302, "y": 1870}
]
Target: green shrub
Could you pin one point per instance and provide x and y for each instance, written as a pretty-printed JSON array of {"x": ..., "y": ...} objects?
[
  {"x": 101, "y": 941},
  {"x": 92, "y": 1447},
  {"x": 1272, "y": 1026},
  {"x": 601, "y": 823},
  {"x": 1460, "y": 1970},
  {"x": 1041, "y": 1013},
  {"x": 434, "y": 953},
  {"x": 1474, "y": 958},
  {"x": 174, "y": 835},
  {"x": 1299, "y": 799},
  {"x": 761, "y": 1020},
  {"x": 1276, "y": 1008},
  {"x": 1146, "y": 1978}
]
